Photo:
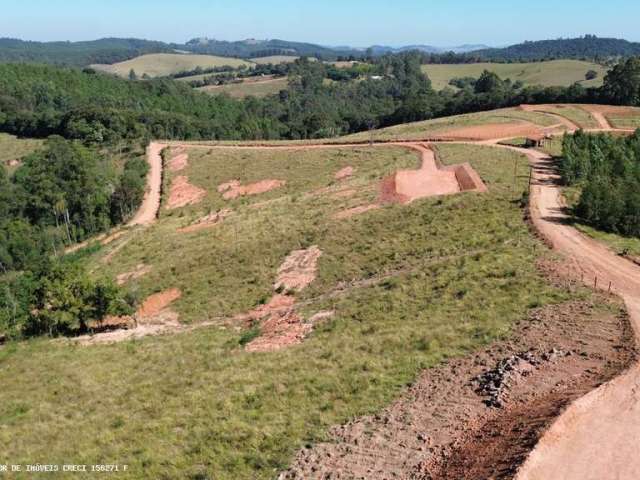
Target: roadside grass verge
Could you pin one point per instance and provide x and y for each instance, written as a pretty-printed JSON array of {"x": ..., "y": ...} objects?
[{"x": 411, "y": 286}]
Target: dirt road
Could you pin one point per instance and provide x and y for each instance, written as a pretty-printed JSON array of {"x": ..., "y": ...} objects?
[
  {"x": 597, "y": 437},
  {"x": 148, "y": 211}
]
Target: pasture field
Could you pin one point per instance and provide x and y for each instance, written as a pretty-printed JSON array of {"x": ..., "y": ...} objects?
[
  {"x": 13, "y": 149},
  {"x": 256, "y": 88},
  {"x": 163, "y": 64},
  {"x": 410, "y": 285},
  {"x": 548, "y": 74}
]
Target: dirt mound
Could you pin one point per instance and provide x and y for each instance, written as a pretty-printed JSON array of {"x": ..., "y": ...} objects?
[
  {"x": 233, "y": 189},
  {"x": 207, "y": 221},
  {"x": 346, "y": 172},
  {"x": 491, "y": 131},
  {"x": 140, "y": 271},
  {"x": 298, "y": 270},
  {"x": 156, "y": 303},
  {"x": 445, "y": 426},
  {"x": 182, "y": 193}
]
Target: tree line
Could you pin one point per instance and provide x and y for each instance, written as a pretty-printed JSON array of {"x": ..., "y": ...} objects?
[{"x": 607, "y": 169}]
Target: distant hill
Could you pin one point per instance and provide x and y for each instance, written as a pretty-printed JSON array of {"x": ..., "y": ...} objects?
[
  {"x": 383, "y": 50},
  {"x": 588, "y": 47},
  {"x": 252, "y": 48},
  {"x": 105, "y": 50}
]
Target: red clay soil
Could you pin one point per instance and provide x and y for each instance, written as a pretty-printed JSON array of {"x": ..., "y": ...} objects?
[
  {"x": 182, "y": 193},
  {"x": 148, "y": 211},
  {"x": 233, "y": 189},
  {"x": 551, "y": 110},
  {"x": 491, "y": 131},
  {"x": 476, "y": 417},
  {"x": 179, "y": 160},
  {"x": 279, "y": 323},
  {"x": 207, "y": 221},
  {"x": 298, "y": 270},
  {"x": 140, "y": 271},
  {"x": 346, "y": 172},
  {"x": 156, "y": 303},
  {"x": 429, "y": 180},
  {"x": 597, "y": 436}
]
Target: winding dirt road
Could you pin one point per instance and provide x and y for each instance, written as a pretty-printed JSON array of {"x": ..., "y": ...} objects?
[
  {"x": 148, "y": 211},
  {"x": 598, "y": 436}
]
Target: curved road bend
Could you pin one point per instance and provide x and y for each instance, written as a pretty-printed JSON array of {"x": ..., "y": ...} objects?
[{"x": 598, "y": 436}]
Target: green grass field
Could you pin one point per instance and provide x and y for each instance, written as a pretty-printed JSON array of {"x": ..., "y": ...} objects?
[
  {"x": 247, "y": 89},
  {"x": 552, "y": 73},
  {"x": 441, "y": 276},
  {"x": 630, "y": 119},
  {"x": 12, "y": 149},
  {"x": 163, "y": 64}
]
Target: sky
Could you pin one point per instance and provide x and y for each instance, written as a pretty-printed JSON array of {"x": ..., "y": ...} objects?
[{"x": 327, "y": 22}]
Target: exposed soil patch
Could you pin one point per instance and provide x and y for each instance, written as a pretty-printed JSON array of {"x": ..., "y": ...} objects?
[
  {"x": 491, "y": 131},
  {"x": 278, "y": 322},
  {"x": 429, "y": 180},
  {"x": 478, "y": 416},
  {"x": 156, "y": 303},
  {"x": 179, "y": 159},
  {"x": 233, "y": 189},
  {"x": 148, "y": 211},
  {"x": 182, "y": 193},
  {"x": 346, "y": 172},
  {"x": 140, "y": 271},
  {"x": 298, "y": 270},
  {"x": 207, "y": 221},
  {"x": 346, "y": 193}
]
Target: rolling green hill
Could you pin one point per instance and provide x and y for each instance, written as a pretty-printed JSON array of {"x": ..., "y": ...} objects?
[{"x": 551, "y": 73}]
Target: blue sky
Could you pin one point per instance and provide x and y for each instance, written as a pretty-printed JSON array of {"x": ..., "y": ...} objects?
[{"x": 328, "y": 22}]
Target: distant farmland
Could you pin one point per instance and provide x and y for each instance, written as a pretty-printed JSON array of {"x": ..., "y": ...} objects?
[
  {"x": 163, "y": 64},
  {"x": 275, "y": 59},
  {"x": 548, "y": 74},
  {"x": 260, "y": 88}
]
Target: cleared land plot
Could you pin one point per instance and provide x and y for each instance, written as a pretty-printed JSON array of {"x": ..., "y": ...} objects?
[
  {"x": 574, "y": 113},
  {"x": 622, "y": 117},
  {"x": 552, "y": 73},
  {"x": 410, "y": 285},
  {"x": 13, "y": 149},
  {"x": 249, "y": 88},
  {"x": 163, "y": 64}
]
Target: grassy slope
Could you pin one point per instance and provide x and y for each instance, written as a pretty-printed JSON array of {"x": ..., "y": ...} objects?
[
  {"x": 13, "y": 148},
  {"x": 552, "y": 73},
  {"x": 418, "y": 130},
  {"x": 462, "y": 272},
  {"x": 246, "y": 89},
  {"x": 163, "y": 64}
]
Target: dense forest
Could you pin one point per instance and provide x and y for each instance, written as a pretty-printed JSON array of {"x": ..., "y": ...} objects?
[
  {"x": 79, "y": 54},
  {"x": 608, "y": 171}
]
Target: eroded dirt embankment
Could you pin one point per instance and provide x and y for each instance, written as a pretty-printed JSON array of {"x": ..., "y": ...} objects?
[{"x": 478, "y": 416}]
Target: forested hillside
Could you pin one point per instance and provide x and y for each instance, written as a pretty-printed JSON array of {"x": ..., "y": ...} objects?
[
  {"x": 588, "y": 47},
  {"x": 80, "y": 54}
]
